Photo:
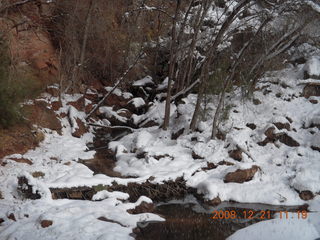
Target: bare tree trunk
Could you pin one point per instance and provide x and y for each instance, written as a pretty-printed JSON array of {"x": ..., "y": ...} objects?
[
  {"x": 171, "y": 67},
  {"x": 229, "y": 79},
  {"x": 78, "y": 66},
  {"x": 209, "y": 61}
]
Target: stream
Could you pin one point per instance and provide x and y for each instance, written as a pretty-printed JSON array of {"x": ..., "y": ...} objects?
[
  {"x": 191, "y": 220},
  {"x": 188, "y": 218}
]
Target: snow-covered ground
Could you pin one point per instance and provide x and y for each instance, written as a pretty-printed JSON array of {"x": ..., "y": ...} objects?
[{"x": 283, "y": 170}]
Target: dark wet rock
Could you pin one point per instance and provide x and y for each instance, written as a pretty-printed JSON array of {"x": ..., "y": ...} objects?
[
  {"x": 1, "y": 221},
  {"x": 306, "y": 195},
  {"x": 144, "y": 207},
  {"x": 46, "y": 223},
  {"x": 177, "y": 134},
  {"x": 313, "y": 101},
  {"x": 251, "y": 126},
  {"x": 241, "y": 175},
  {"x": 236, "y": 154}
]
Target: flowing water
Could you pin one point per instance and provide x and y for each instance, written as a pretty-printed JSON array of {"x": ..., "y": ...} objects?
[{"x": 186, "y": 221}]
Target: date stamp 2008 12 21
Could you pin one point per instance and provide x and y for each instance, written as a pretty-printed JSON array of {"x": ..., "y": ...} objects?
[{"x": 261, "y": 214}]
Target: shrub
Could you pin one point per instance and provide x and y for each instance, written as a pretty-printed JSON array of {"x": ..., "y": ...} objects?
[{"x": 15, "y": 86}]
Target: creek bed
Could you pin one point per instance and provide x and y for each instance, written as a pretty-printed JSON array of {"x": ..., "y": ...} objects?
[{"x": 190, "y": 220}]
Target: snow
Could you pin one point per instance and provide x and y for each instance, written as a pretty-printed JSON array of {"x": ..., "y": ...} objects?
[
  {"x": 275, "y": 229},
  {"x": 284, "y": 170},
  {"x": 137, "y": 102},
  {"x": 142, "y": 82},
  {"x": 312, "y": 66}
]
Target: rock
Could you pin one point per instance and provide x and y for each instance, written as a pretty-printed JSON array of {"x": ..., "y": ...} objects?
[
  {"x": 56, "y": 105},
  {"x": 311, "y": 89},
  {"x": 124, "y": 113},
  {"x": 241, "y": 175},
  {"x": 256, "y": 101},
  {"x": 236, "y": 154},
  {"x": 220, "y": 135},
  {"x": 137, "y": 106},
  {"x": 225, "y": 163},
  {"x": 306, "y": 195},
  {"x": 281, "y": 126},
  {"x": 79, "y": 104},
  {"x": 1, "y": 221},
  {"x": 313, "y": 101},
  {"x": 251, "y": 126},
  {"x": 287, "y": 140},
  {"x": 12, "y": 217},
  {"x": 115, "y": 100},
  {"x": 26, "y": 189},
  {"x": 196, "y": 156},
  {"x": 81, "y": 130},
  {"x": 144, "y": 207},
  {"x": 315, "y": 148},
  {"x": 282, "y": 137},
  {"x": 21, "y": 160},
  {"x": 176, "y": 135},
  {"x": 213, "y": 202},
  {"x": 270, "y": 132},
  {"x": 209, "y": 166},
  {"x": 46, "y": 223}
]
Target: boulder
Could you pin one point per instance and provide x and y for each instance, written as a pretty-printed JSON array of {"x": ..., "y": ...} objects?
[
  {"x": 236, "y": 154},
  {"x": 241, "y": 175},
  {"x": 144, "y": 207},
  {"x": 46, "y": 223},
  {"x": 311, "y": 89}
]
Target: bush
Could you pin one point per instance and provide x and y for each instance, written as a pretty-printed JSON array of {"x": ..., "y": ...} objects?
[{"x": 15, "y": 86}]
